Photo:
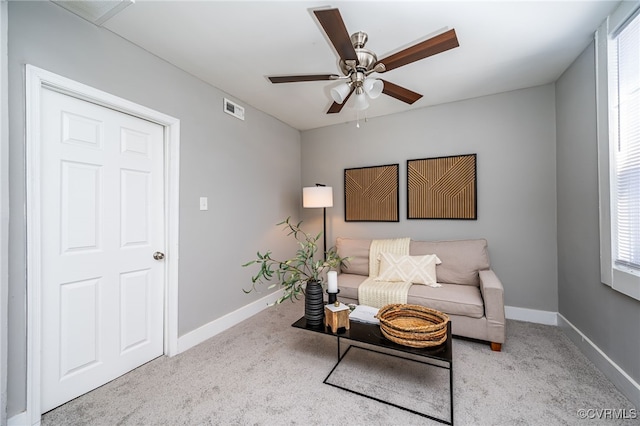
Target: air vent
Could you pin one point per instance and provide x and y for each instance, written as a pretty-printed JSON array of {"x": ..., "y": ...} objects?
[
  {"x": 234, "y": 109},
  {"x": 96, "y": 12}
]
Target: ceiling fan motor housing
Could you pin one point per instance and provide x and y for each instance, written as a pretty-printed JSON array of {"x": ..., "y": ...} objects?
[
  {"x": 359, "y": 39},
  {"x": 366, "y": 58}
]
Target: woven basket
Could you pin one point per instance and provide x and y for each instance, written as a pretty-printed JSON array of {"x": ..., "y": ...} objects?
[{"x": 413, "y": 325}]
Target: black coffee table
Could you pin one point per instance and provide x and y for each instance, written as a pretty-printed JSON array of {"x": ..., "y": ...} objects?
[{"x": 370, "y": 334}]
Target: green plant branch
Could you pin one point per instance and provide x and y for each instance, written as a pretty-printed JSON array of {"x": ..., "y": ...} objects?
[{"x": 293, "y": 273}]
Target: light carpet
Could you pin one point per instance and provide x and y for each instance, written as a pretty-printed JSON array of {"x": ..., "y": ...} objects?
[{"x": 264, "y": 372}]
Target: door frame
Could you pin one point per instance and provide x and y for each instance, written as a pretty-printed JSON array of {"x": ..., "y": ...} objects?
[{"x": 36, "y": 79}]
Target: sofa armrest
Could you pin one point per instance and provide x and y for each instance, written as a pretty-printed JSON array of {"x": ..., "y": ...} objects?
[{"x": 493, "y": 295}]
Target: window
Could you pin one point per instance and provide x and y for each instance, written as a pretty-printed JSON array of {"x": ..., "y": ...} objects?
[
  {"x": 618, "y": 79},
  {"x": 625, "y": 131}
]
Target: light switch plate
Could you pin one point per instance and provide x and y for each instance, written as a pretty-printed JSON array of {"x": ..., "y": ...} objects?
[{"x": 204, "y": 203}]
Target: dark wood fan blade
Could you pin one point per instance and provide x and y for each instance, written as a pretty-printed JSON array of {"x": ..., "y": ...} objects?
[
  {"x": 336, "y": 107},
  {"x": 400, "y": 93},
  {"x": 296, "y": 78},
  {"x": 334, "y": 27},
  {"x": 434, "y": 45}
]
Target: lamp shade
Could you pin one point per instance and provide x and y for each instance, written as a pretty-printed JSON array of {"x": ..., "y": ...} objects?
[
  {"x": 373, "y": 87},
  {"x": 317, "y": 196},
  {"x": 361, "y": 103},
  {"x": 340, "y": 92}
]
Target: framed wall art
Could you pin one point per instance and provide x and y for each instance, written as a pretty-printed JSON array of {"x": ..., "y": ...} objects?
[
  {"x": 371, "y": 194},
  {"x": 442, "y": 188}
]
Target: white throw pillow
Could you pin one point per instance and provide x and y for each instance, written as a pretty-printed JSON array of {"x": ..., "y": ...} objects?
[{"x": 414, "y": 269}]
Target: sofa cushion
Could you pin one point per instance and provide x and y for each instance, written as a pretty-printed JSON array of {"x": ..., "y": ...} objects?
[
  {"x": 454, "y": 299},
  {"x": 461, "y": 259},
  {"x": 349, "y": 283},
  {"x": 358, "y": 251},
  {"x": 414, "y": 269},
  {"x": 463, "y": 300}
]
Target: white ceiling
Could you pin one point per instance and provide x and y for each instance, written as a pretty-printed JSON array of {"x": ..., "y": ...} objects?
[{"x": 504, "y": 45}]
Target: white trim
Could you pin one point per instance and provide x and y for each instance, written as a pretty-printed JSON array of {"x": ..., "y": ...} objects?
[
  {"x": 531, "y": 315},
  {"x": 622, "y": 14},
  {"x": 4, "y": 208},
  {"x": 225, "y": 322},
  {"x": 625, "y": 383},
  {"x": 18, "y": 420},
  {"x": 36, "y": 79},
  {"x": 34, "y": 266},
  {"x": 172, "y": 228},
  {"x": 604, "y": 151}
]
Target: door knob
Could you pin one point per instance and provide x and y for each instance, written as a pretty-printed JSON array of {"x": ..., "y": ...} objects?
[{"x": 158, "y": 255}]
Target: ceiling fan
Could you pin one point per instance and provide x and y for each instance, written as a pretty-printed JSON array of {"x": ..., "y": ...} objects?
[{"x": 357, "y": 63}]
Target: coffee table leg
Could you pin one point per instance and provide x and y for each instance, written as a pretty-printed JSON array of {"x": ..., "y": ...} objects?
[
  {"x": 326, "y": 381},
  {"x": 451, "y": 389}
]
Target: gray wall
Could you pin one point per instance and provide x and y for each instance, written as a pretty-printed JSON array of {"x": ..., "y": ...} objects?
[
  {"x": 239, "y": 165},
  {"x": 607, "y": 317},
  {"x": 513, "y": 135}
]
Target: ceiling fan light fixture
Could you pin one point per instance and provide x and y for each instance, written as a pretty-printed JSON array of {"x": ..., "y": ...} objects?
[
  {"x": 340, "y": 92},
  {"x": 360, "y": 102},
  {"x": 373, "y": 87}
]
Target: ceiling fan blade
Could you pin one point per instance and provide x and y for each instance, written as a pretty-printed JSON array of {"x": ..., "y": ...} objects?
[
  {"x": 336, "y": 107},
  {"x": 296, "y": 78},
  {"x": 400, "y": 93},
  {"x": 334, "y": 27},
  {"x": 433, "y": 46}
]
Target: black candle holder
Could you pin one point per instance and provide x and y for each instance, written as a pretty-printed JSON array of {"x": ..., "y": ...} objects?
[{"x": 333, "y": 297}]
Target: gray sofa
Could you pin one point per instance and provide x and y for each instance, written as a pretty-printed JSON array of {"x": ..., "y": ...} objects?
[{"x": 471, "y": 293}]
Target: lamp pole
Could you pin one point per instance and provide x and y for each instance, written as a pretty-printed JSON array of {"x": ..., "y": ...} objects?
[
  {"x": 319, "y": 196},
  {"x": 324, "y": 232},
  {"x": 324, "y": 227}
]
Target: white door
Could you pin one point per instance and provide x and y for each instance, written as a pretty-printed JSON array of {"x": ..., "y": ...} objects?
[{"x": 102, "y": 290}]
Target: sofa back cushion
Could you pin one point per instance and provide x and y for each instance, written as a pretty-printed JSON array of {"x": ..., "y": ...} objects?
[
  {"x": 461, "y": 259},
  {"x": 358, "y": 251}
]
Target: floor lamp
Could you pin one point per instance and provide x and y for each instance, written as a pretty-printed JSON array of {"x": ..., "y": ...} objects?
[{"x": 316, "y": 197}]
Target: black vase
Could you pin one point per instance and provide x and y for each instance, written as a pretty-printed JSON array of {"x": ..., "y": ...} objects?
[{"x": 314, "y": 303}]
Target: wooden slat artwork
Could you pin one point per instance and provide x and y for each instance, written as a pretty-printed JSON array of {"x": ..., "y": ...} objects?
[
  {"x": 442, "y": 188},
  {"x": 371, "y": 194}
]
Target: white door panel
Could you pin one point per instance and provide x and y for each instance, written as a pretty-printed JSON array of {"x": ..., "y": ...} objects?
[
  {"x": 79, "y": 331},
  {"x": 80, "y": 198},
  {"x": 102, "y": 220}
]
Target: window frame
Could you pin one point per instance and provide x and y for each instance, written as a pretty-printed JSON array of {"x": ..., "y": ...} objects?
[{"x": 617, "y": 277}]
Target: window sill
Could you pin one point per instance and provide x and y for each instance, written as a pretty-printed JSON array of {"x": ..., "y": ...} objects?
[{"x": 626, "y": 281}]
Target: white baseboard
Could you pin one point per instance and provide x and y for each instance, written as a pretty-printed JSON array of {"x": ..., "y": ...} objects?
[
  {"x": 225, "y": 322},
  {"x": 18, "y": 420},
  {"x": 221, "y": 324},
  {"x": 625, "y": 383},
  {"x": 531, "y": 315}
]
